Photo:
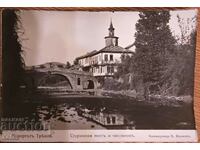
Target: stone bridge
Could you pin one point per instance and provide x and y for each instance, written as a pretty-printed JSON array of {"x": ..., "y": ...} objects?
[{"x": 60, "y": 77}]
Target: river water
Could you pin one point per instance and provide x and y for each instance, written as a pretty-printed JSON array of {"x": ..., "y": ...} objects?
[{"x": 63, "y": 114}]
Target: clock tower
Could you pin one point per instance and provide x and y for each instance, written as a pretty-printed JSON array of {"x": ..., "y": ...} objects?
[{"x": 111, "y": 39}]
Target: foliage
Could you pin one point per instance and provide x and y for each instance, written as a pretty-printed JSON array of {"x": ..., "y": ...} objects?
[
  {"x": 122, "y": 68},
  {"x": 154, "y": 43},
  {"x": 111, "y": 84},
  {"x": 68, "y": 65},
  {"x": 181, "y": 67},
  {"x": 75, "y": 62},
  {"x": 162, "y": 64},
  {"x": 13, "y": 64}
]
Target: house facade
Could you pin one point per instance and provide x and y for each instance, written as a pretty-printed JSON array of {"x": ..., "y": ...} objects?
[{"x": 104, "y": 62}]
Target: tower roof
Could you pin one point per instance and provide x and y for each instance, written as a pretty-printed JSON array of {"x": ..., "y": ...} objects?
[{"x": 111, "y": 26}]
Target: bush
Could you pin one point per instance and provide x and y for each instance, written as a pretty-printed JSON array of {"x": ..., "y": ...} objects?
[{"x": 111, "y": 84}]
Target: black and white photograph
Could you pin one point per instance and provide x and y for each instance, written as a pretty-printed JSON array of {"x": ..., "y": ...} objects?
[{"x": 98, "y": 70}]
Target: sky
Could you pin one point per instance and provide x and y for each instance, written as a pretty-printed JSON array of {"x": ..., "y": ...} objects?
[{"x": 61, "y": 36}]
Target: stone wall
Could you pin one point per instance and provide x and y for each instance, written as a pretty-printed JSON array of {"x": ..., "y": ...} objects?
[{"x": 78, "y": 81}]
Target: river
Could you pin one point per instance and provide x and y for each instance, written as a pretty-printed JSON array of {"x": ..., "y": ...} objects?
[{"x": 63, "y": 114}]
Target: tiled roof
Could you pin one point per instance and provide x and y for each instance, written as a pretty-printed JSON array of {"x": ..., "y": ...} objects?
[
  {"x": 88, "y": 54},
  {"x": 109, "y": 49},
  {"x": 115, "y": 49}
]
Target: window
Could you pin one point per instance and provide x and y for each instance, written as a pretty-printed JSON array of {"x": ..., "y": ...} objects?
[
  {"x": 98, "y": 70},
  {"x": 108, "y": 120},
  {"x": 106, "y": 57},
  {"x": 113, "y": 120},
  {"x": 110, "y": 69},
  {"x": 111, "y": 57},
  {"x": 78, "y": 81}
]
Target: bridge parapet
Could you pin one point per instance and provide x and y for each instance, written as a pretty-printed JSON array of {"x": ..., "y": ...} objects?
[
  {"x": 77, "y": 80},
  {"x": 64, "y": 70}
]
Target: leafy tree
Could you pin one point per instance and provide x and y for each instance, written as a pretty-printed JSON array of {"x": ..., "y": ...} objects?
[
  {"x": 76, "y": 62},
  {"x": 183, "y": 65},
  {"x": 154, "y": 44},
  {"x": 123, "y": 67},
  {"x": 12, "y": 64},
  {"x": 68, "y": 65},
  {"x": 162, "y": 63}
]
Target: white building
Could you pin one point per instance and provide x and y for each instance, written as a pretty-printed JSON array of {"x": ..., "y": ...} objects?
[{"x": 105, "y": 61}]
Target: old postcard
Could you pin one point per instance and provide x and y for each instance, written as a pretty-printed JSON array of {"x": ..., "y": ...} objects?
[{"x": 87, "y": 76}]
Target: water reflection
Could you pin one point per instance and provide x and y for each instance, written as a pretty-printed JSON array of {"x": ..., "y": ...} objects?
[
  {"x": 66, "y": 116},
  {"x": 108, "y": 119},
  {"x": 102, "y": 114}
]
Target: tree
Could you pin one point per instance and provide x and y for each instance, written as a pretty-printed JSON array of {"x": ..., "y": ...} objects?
[
  {"x": 184, "y": 65},
  {"x": 68, "y": 65},
  {"x": 76, "y": 62},
  {"x": 124, "y": 66},
  {"x": 154, "y": 44},
  {"x": 12, "y": 64}
]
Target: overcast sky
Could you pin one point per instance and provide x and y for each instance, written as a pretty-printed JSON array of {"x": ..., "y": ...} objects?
[{"x": 62, "y": 36}]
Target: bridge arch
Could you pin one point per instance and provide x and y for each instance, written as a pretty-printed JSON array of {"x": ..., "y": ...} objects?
[
  {"x": 90, "y": 84},
  {"x": 56, "y": 79}
]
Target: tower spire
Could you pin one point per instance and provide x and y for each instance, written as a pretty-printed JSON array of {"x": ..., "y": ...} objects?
[
  {"x": 111, "y": 39},
  {"x": 111, "y": 28},
  {"x": 111, "y": 25}
]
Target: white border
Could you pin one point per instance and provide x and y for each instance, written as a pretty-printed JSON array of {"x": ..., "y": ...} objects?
[
  {"x": 103, "y": 3},
  {"x": 100, "y": 3},
  {"x": 100, "y": 136}
]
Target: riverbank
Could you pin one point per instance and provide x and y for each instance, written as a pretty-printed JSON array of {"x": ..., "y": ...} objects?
[
  {"x": 126, "y": 96},
  {"x": 155, "y": 100}
]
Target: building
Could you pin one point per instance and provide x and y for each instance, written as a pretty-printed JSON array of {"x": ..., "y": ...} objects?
[{"x": 103, "y": 63}]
